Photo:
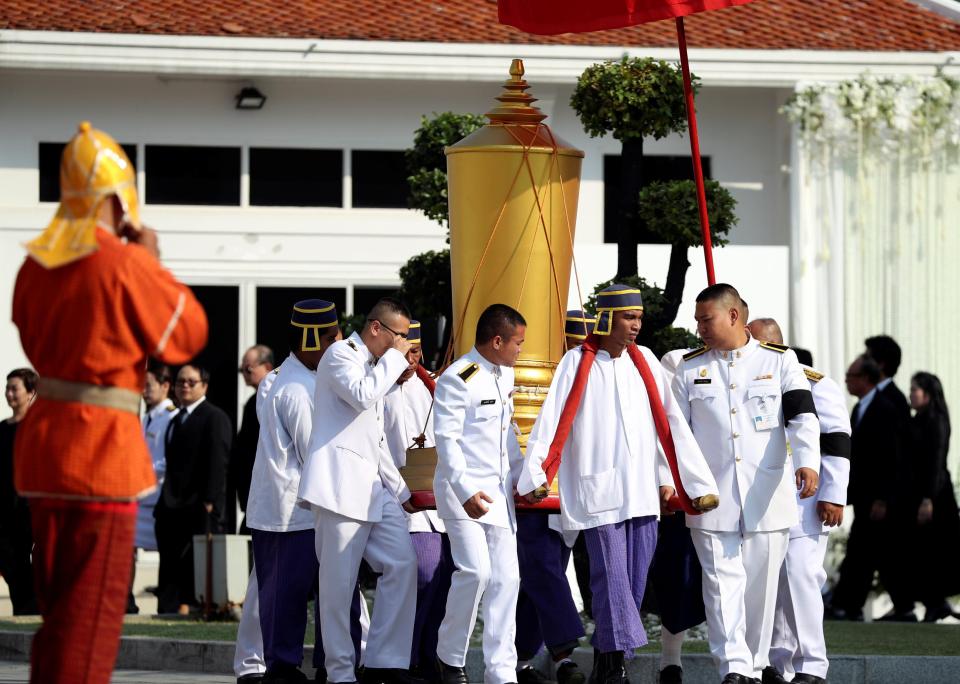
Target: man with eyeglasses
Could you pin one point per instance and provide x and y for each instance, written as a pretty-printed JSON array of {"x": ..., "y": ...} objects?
[
  {"x": 256, "y": 363},
  {"x": 357, "y": 495},
  {"x": 193, "y": 497}
]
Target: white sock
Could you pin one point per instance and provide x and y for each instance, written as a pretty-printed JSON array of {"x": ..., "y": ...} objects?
[{"x": 670, "y": 646}]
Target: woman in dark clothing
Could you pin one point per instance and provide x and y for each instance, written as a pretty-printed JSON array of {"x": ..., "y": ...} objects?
[
  {"x": 938, "y": 522},
  {"x": 16, "y": 539}
]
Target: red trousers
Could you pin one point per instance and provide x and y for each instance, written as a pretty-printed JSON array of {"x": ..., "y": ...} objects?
[{"x": 82, "y": 571}]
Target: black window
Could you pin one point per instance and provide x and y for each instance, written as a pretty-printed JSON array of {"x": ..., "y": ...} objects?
[
  {"x": 274, "y": 306},
  {"x": 49, "y": 166},
  {"x": 655, "y": 168},
  {"x": 296, "y": 177},
  {"x": 379, "y": 179},
  {"x": 186, "y": 174},
  {"x": 364, "y": 297}
]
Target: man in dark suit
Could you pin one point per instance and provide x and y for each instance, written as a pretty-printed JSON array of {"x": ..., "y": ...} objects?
[
  {"x": 886, "y": 352},
  {"x": 193, "y": 497},
  {"x": 874, "y": 491}
]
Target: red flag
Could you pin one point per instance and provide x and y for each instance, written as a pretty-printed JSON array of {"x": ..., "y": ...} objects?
[{"x": 578, "y": 16}]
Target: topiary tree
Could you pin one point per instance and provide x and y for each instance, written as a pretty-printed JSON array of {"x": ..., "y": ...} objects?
[
  {"x": 427, "y": 163},
  {"x": 669, "y": 211},
  {"x": 632, "y": 99}
]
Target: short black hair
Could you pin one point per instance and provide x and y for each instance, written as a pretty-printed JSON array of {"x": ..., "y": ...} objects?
[
  {"x": 870, "y": 369},
  {"x": 160, "y": 371},
  {"x": 387, "y": 305},
  {"x": 719, "y": 292},
  {"x": 27, "y": 376},
  {"x": 202, "y": 370},
  {"x": 886, "y": 352},
  {"x": 498, "y": 319},
  {"x": 803, "y": 356}
]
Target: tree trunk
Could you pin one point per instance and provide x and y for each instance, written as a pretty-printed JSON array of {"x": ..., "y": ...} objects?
[
  {"x": 676, "y": 279},
  {"x": 631, "y": 178}
]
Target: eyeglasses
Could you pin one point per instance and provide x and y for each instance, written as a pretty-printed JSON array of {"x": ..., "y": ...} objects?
[
  {"x": 188, "y": 382},
  {"x": 384, "y": 325}
]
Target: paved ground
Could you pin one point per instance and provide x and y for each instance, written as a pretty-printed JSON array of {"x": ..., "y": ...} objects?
[{"x": 18, "y": 673}]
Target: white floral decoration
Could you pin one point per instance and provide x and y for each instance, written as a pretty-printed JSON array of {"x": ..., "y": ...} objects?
[{"x": 873, "y": 115}]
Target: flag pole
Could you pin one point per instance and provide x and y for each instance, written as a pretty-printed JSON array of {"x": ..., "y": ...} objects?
[{"x": 695, "y": 154}]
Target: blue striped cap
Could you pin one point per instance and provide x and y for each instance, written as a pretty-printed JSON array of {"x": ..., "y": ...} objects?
[
  {"x": 312, "y": 315},
  {"x": 616, "y": 297},
  {"x": 414, "y": 335},
  {"x": 577, "y": 324}
]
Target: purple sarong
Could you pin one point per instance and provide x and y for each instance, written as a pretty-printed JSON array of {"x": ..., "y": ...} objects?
[
  {"x": 620, "y": 556},
  {"x": 434, "y": 570}
]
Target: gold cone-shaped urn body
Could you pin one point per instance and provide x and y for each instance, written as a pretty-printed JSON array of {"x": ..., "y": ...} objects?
[{"x": 513, "y": 188}]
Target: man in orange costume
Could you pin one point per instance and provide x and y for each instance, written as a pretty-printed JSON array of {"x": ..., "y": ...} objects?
[{"x": 92, "y": 302}]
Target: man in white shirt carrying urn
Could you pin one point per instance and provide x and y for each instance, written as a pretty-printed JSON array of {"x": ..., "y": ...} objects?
[
  {"x": 613, "y": 478},
  {"x": 355, "y": 491},
  {"x": 479, "y": 460},
  {"x": 744, "y": 399}
]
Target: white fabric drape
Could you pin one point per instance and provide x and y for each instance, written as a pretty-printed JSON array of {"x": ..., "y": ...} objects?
[{"x": 875, "y": 249}]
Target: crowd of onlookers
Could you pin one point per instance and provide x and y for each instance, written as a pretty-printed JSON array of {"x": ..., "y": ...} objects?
[{"x": 906, "y": 524}]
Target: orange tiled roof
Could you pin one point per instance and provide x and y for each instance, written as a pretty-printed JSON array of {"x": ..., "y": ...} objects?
[{"x": 762, "y": 24}]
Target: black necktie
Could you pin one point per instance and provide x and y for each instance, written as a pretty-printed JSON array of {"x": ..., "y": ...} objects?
[{"x": 855, "y": 418}]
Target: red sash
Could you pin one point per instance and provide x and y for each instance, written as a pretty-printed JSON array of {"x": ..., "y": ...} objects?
[{"x": 680, "y": 501}]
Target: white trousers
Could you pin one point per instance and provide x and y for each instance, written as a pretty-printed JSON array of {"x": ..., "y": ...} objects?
[
  {"x": 341, "y": 544},
  {"x": 487, "y": 568},
  {"x": 741, "y": 572},
  {"x": 798, "y": 644},
  {"x": 248, "y": 656}
]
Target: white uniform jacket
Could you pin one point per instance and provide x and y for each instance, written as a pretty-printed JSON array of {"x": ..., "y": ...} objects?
[
  {"x": 348, "y": 469},
  {"x": 831, "y": 407},
  {"x": 263, "y": 389},
  {"x": 477, "y": 444},
  {"x": 407, "y": 412},
  {"x": 742, "y": 406},
  {"x": 611, "y": 467},
  {"x": 286, "y": 418}
]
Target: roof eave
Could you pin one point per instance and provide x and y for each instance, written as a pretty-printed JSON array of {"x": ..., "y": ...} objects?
[{"x": 244, "y": 57}]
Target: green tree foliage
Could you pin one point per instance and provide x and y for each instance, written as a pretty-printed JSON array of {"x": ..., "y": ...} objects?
[
  {"x": 656, "y": 332},
  {"x": 426, "y": 290},
  {"x": 631, "y": 99},
  {"x": 427, "y": 164},
  {"x": 670, "y": 211}
]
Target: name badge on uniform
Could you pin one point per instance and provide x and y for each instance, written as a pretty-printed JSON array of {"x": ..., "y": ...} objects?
[
  {"x": 702, "y": 381},
  {"x": 487, "y": 402},
  {"x": 766, "y": 421}
]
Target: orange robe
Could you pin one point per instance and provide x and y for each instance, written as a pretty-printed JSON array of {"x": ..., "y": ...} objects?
[{"x": 96, "y": 320}]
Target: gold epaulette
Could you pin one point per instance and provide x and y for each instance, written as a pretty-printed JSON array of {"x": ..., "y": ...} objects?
[
  {"x": 695, "y": 353},
  {"x": 468, "y": 372},
  {"x": 773, "y": 346},
  {"x": 276, "y": 371},
  {"x": 352, "y": 345},
  {"x": 812, "y": 375},
  {"x": 171, "y": 408}
]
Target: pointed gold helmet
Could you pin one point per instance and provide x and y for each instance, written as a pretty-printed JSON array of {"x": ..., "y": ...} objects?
[{"x": 93, "y": 168}]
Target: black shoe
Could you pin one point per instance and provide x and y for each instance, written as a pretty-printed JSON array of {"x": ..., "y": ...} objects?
[
  {"x": 932, "y": 614},
  {"x": 894, "y": 616},
  {"x": 530, "y": 675},
  {"x": 734, "y": 678},
  {"x": 450, "y": 674},
  {"x": 284, "y": 674},
  {"x": 608, "y": 668},
  {"x": 771, "y": 676},
  {"x": 250, "y": 679},
  {"x": 320, "y": 676},
  {"x": 388, "y": 675},
  {"x": 569, "y": 673},
  {"x": 801, "y": 678},
  {"x": 671, "y": 674}
]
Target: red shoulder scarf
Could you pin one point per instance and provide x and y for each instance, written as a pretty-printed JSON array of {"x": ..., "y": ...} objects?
[{"x": 551, "y": 464}]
